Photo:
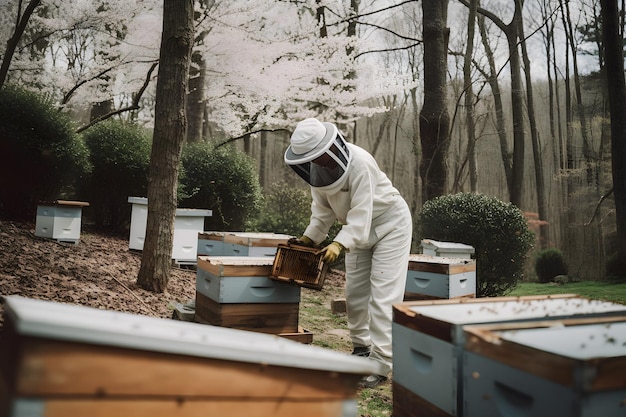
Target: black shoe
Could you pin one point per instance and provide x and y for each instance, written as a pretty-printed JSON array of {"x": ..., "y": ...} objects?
[
  {"x": 372, "y": 381},
  {"x": 361, "y": 351}
]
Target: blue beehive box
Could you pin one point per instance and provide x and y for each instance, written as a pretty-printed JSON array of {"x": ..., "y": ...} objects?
[
  {"x": 242, "y": 279},
  {"x": 570, "y": 367},
  {"x": 439, "y": 277},
  {"x": 429, "y": 340}
]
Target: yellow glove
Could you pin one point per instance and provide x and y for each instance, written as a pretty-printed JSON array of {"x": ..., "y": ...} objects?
[
  {"x": 302, "y": 241},
  {"x": 332, "y": 252}
]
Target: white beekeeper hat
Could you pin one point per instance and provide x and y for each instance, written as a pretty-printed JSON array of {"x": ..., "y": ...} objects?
[{"x": 311, "y": 140}]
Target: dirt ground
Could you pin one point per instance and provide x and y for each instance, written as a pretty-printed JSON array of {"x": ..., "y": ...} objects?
[{"x": 100, "y": 271}]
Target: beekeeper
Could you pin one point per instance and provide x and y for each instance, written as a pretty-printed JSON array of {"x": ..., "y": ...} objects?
[{"x": 347, "y": 185}]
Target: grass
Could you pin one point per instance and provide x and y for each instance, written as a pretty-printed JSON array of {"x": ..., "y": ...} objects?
[{"x": 599, "y": 290}]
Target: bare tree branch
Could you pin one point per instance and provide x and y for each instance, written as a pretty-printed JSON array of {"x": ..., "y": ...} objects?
[{"x": 133, "y": 106}]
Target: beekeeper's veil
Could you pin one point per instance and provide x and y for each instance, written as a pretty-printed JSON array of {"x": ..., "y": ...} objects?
[{"x": 318, "y": 153}]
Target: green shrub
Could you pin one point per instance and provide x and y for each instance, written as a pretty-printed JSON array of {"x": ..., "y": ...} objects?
[
  {"x": 616, "y": 268},
  {"x": 287, "y": 210},
  {"x": 120, "y": 155},
  {"x": 41, "y": 158},
  {"x": 498, "y": 232},
  {"x": 221, "y": 179},
  {"x": 549, "y": 263}
]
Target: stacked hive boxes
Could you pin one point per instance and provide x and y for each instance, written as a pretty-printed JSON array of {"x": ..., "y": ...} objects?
[
  {"x": 572, "y": 367},
  {"x": 429, "y": 347},
  {"x": 60, "y": 220},
  {"x": 236, "y": 291},
  {"x": 65, "y": 360},
  {"x": 436, "y": 277}
]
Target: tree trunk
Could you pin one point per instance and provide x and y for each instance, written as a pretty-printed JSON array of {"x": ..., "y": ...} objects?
[
  {"x": 168, "y": 138},
  {"x": 542, "y": 204},
  {"x": 196, "y": 102},
  {"x": 434, "y": 117},
  {"x": 469, "y": 96},
  {"x": 614, "y": 59},
  {"x": 13, "y": 41},
  {"x": 492, "y": 79}
]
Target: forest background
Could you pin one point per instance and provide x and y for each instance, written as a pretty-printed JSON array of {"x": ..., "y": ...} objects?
[{"x": 523, "y": 89}]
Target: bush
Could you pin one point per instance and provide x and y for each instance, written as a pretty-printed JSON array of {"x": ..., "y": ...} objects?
[
  {"x": 616, "y": 268},
  {"x": 41, "y": 158},
  {"x": 549, "y": 263},
  {"x": 498, "y": 232},
  {"x": 120, "y": 155},
  {"x": 221, "y": 179},
  {"x": 287, "y": 210}
]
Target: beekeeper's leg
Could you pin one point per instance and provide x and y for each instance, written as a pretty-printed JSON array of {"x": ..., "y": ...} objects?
[
  {"x": 358, "y": 266},
  {"x": 390, "y": 261}
]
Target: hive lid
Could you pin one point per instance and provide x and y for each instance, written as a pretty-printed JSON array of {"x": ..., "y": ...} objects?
[
  {"x": 447, "y": 246},
  {"x": 496, "y": 309},
  {"x": 52, "y": 320}
]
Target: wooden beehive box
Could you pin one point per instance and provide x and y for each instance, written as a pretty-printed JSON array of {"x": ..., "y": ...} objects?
[
  {"x": 428, "y": 340},
  {"x": 242, "y": 279},
  {"x": 299, "y": 265},
  {"x": 60, "y": 360},
  {"x": 569, "y": 367},
  {"x": 437, "y": 277},
  {"x": 60, "y": 220}
]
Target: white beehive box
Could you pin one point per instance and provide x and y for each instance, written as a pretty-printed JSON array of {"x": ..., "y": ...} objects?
[
  {"x": 446, "y": 249},
  {"x": 568, "y": 368},
  {"x": 242, "y": 279},
  {"x": 187, "y": 224},
  {"x": 439, "y": 277},
  {"x": 428, "y": 340},
  {"x": 67, "y": 360},
  {"x": 60, "y": 220}
]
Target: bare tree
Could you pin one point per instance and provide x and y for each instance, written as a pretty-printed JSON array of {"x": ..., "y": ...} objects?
[
  {"x": 542, "y": 204},
  {"x": 434, "y": 117},
  {"x": 469, "y": 95},
  {"x": 614, "y": 61},
  {"x": 511, "y": 31},
  {"x": 21, "y": 21},
  {"x": 492, "y": 80},
  {"x": 168, "y": 138}
]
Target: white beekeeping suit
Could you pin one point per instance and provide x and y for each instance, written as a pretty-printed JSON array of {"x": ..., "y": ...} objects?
[{"x": 347, "y": 185}]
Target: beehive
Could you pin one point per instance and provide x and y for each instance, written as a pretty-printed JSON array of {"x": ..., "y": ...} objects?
[
  {"x": 572, "y": 367},
  {"x": 299, "y": 265},
  {"x": 66, "y": 360},
  {"x": 60, "y": 220},
  {"x": 242, "y": 279},
  {"x": 187, "y": 224},
  {"x": 436, "y": 277},
  {"x": 428, "y": 340}
]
